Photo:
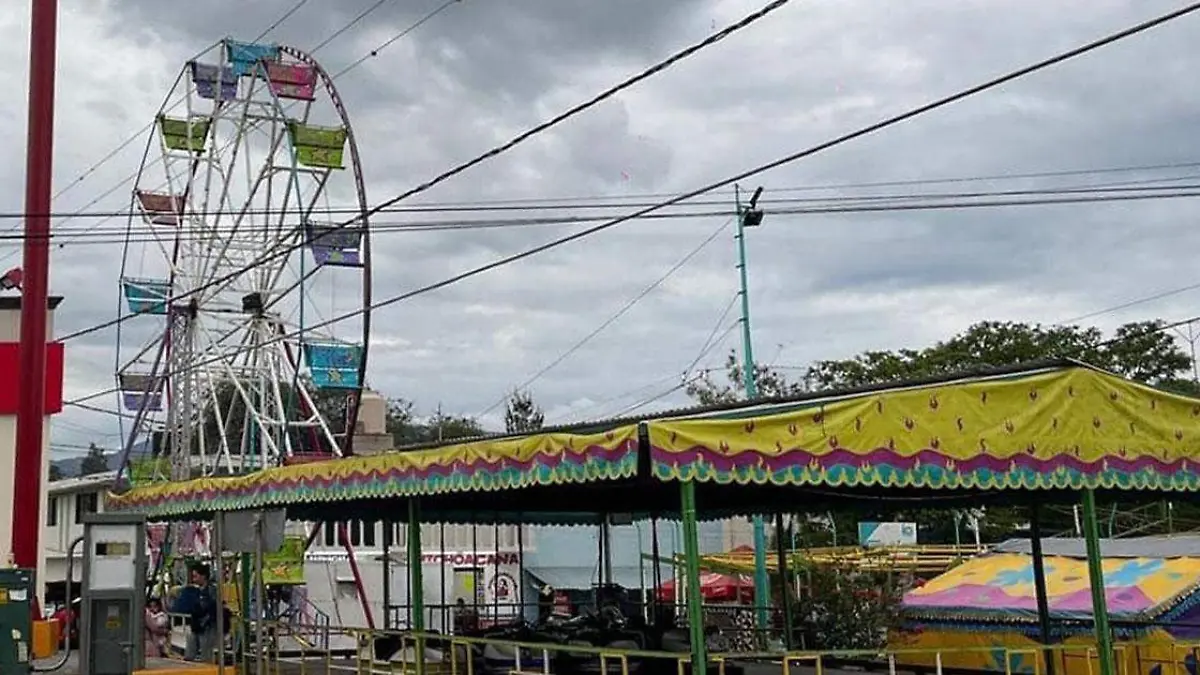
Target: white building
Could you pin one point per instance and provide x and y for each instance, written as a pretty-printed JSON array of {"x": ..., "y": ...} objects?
[
  {"x": 10, "y": 335},
  {"x": 67, "y": 502}
]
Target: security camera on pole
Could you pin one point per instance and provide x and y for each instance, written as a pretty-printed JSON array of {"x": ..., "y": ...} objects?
[{"x": 751, "y": 216}]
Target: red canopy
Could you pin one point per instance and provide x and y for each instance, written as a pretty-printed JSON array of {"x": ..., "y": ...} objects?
[{"x": 714, "y": 587}]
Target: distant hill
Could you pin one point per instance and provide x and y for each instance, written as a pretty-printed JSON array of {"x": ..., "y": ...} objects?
[{"x": 70, "y": 466}]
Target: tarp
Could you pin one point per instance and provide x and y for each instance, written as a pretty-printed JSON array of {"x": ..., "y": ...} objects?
[
  {"x": 1054, "y": 428},
  {"x": 1000, "y": 588},
  {"x": 1174, "y": 546},
  {"x": 1156, "y": 653},
  {"x": 714, "y": 587}
]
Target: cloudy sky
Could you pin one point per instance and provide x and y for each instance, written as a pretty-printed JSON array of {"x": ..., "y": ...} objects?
[{"x": 822, "y": 286}]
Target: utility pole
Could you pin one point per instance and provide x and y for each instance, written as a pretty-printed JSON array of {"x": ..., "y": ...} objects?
[
  {"x": 752, "y": 217},
  {"x": 31, "y": 411},
  {"x": 439, "y": 422}
]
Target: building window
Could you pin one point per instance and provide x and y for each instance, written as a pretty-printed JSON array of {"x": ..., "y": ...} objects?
[
  {"x": 369, "y": 534},
  {"x": 52, "y": 512},
  {"x": 330, "y": 534},
  {"x": 85, "y": 503}
]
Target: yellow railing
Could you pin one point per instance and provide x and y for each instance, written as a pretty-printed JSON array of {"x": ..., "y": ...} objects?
[
  {"x": 456, "y": 655},
  {"x": 938, "y": 558}
]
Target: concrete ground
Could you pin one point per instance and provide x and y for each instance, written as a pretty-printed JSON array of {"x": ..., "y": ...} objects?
[{"x": 72, "y": 665}]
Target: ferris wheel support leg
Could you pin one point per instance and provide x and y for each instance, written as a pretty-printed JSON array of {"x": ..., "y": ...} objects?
[
  {"x": 27, "y": 469},
  {"x": 344, "y": 535}
]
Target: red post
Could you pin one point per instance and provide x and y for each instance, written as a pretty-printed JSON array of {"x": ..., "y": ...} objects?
[{"x": 27, "y": 474}]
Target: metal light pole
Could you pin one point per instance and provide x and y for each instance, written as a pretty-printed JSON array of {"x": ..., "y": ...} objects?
[
  {"x": 751, "y": 217},
  {"x": 31, "y": 413}
]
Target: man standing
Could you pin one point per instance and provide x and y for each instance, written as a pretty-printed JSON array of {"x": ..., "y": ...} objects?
[{"x": 199, "y": 602}]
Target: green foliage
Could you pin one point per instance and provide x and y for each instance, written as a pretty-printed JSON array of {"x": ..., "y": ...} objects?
[
  {"x": 521, "y": 414},
  {"x": 1140, "y": 351},
  {"x": 95, "y": 462},
  {"x": 407, "y": 429},
  {"x": 843, "y": 609},
  {"x": 768, "y": 382}
]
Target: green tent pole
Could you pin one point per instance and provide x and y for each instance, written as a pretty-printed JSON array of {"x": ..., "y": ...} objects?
[
  {"x": 691, "y": 551},
  {"x": 785, "y": 590},
  {"x": 416, "y": 585},
  {"x": 1091, "y": 533}
]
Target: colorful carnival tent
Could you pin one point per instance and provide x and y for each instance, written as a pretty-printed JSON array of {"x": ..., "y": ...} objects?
[
  {"x": 1046, "y": 432},
  {"x": 989, "y": 603},
  {"x": 1058, "y": 431}
]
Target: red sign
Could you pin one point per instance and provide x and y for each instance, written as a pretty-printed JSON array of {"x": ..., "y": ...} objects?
[{"x": 10, "y": 362}]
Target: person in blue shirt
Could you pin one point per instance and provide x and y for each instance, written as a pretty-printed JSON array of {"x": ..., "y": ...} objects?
[{"x": 198, "y": 601}]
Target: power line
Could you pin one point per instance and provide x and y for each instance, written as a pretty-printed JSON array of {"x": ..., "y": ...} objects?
[
  {"x": 595, "y": 100},
  {"x": 286, "y": 15},
  {"x": 548, "y": 205},
  {"x": 1132, "y": 303},
  {"x": 262, "y": 260},
  {"x": 615, "y": 316},
  {"x": 471, "y": 225},
  {"x": 941, "y": 180},
  {"x": 813, "y": 150},
  {"x": 705, "y": 348},
  {"x": 581, "y": 201},
  {"x": 708, "y": 342},
  {"x": 150, "y": 126},
  {"x": 398, "y": 36},
  {"x": 352, "y": 23},
  {"x": 79, "y": 402},
  {"x": 137, "y": 134}
]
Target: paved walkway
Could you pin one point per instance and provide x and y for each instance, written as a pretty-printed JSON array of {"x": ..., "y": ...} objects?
[{"x": 72, "y": 665}]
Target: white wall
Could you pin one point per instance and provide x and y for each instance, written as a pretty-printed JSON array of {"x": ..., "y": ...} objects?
[
  {"x": 8, "y": 443},
  {"x": 10, "y": 331},
  {"x": 58, "y": 537}
]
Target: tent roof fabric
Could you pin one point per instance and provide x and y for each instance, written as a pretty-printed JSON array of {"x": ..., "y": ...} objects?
[
  {"x": 1176, "y": 546},
  {"x": 1063, "y": 428},
  {"x": 546, "y": 459},
  {"x": 1055, "y": 428},
  {"x": 1000, "y": 588}
]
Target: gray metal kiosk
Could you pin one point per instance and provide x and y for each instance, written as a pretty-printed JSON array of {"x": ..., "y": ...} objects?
[{"x": 113, "y": 595}]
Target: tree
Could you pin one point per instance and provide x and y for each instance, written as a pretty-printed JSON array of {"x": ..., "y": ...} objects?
[
  {"x": 56, "y": 472},
  {"x": 94, "y": 462},
  {"x": 407, "y": 429},
  {"x": 769, "y": 384},
  {"x": 1141, "y": 351},
  {"x": 441, "y": 427},
  {"x": 522, "y": 415}
]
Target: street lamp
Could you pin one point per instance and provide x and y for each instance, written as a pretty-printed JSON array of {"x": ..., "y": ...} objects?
[{"x": 752, "y": 216}]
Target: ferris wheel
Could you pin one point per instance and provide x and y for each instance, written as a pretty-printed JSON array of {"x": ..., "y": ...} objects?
[{"x": 248, "y": 235}]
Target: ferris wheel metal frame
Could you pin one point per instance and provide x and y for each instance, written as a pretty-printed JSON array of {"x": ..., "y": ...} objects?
[{"x": 225, "y": 333}]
